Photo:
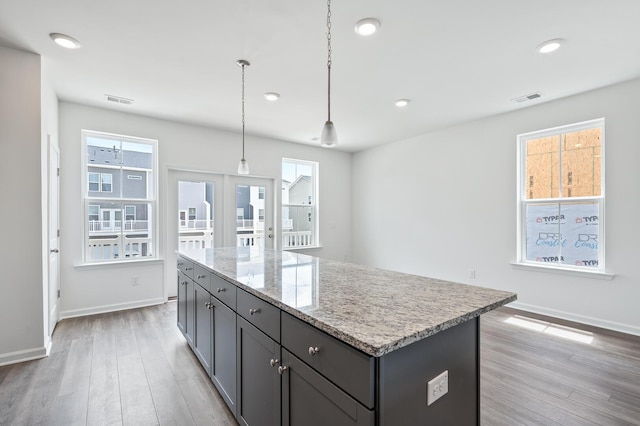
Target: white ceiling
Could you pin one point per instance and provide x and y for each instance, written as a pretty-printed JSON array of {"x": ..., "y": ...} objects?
[{"x": 457, "y": 60}]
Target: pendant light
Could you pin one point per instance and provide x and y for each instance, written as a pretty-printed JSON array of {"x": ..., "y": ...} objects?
[
  {"x": 243, "y": 166},
  {"x": 329, "y": 137}
]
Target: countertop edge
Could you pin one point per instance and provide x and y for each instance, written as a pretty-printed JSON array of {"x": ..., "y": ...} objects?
[{"x": 371, "y": 350}]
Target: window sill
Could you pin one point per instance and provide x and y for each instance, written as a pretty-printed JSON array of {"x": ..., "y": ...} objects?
[
  {"x": 118, "y": 263},
  {"x": 564, "y": 271},
  {"x": 301, "y": 248}
]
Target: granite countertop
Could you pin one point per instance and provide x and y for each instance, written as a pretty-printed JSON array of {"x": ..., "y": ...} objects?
[{"x": 373, "y": 310}]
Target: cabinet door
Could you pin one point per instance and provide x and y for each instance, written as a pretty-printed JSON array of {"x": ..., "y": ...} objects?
[
  {"x": 310, "y": 399},
  {"x": 223, "y": 362},
  {"x": 190, "y": 310},
  {"x": 258, "y": 380},
  {"x": 202, "y": 337},
  {"x": 182, "y": 302}
]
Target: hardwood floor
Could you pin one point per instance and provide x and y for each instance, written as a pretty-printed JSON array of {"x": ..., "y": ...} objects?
[
  {"x": 535, "y": 378},
  {"x": 134, "y": 368}
]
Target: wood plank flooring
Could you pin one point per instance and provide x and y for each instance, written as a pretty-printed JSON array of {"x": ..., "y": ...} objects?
[{"x": 134, "y": 368}]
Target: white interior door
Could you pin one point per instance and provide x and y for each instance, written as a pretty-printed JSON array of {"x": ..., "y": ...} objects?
[
  {"x": 250, "y": 204},
  {"x": 53, "y": 233}
]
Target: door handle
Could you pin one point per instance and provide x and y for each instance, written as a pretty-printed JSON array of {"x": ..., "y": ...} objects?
[{"x": 54, "y": 251}]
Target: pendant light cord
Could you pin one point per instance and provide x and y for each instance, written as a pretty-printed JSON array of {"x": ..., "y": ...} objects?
[
  {"x": 329, "y": 60},
  {"x": 243, "y": 111}
]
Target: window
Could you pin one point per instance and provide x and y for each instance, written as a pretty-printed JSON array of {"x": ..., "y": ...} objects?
[
  {"x": 129, "y": 213},
  {"x": 192, "y": 213},
  {"x": 121, "y": 185},
  {"x": 299, "y": 203},
  {"x": 561, "y": 197},
  {"x": 100, "y": 182},
  {"x": 94, "y": 182},
  {"x": 261, "y": 193}
]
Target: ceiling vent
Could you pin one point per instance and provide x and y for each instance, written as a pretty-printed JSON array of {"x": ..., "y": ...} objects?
[
  {"x": 119, "y": 100},
  {"x": 527, "y": 98}
]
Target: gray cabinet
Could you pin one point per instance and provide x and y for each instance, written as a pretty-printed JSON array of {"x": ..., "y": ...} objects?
[
  {"x": 203, "y": 321},
  {"x": 223, "y": 362},
  {"x": 258, "y": 380},
  {"x": 182, "y": 302},
  {"x": 190, "y": 314},
  {"x": 310, "y": 399}
]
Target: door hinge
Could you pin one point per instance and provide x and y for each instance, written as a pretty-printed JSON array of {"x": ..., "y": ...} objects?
[
  {"x": 58, "y": 293},
  {"x": 58, "y": 171},
  {"x": 58, "y": 233}
]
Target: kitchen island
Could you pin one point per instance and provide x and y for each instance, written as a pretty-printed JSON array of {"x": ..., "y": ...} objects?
[{"x": 294, "y": 339}]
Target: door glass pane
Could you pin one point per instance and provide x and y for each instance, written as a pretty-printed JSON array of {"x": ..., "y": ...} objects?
[
  {"x": 195, "y": 214},
  {"x": 250, "y": 201}
]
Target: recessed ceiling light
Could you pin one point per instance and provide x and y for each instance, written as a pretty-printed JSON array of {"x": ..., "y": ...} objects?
[
  {"x": 367, "y": 26},
  {"x": 65, "y": 40},
  {"x": 401, "y": 103},
  {"x": 550, "y": 45},
  {"x": 272, "y": 96}
]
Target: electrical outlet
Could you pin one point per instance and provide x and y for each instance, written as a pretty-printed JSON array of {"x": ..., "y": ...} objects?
[
  {"x": 437, "y": 387},
  {"x": 472, "y": 273}
]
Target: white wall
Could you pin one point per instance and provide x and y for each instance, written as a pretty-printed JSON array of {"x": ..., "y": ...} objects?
[
  {"x": 89, "y": 289},
  {"x": 444, "y": 203},
  {"x": 21, "y": 285}
]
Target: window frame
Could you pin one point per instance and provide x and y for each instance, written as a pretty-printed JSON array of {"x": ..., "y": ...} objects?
[
  {"x": 115, "y": 196},
  {"x": 523, "y": 201},
  {"x": 313, "y": 204}
]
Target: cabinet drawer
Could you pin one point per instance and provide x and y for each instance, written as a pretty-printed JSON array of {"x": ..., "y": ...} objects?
[
  {"x": 263, "y": 315},
  {"x": 224, "y": 291},
  {"x": 347, "y": 367},
  {"x": 304, "y": 391},
  {"x": 185, "y": 266},
  {"x": 202, "y": 277}
]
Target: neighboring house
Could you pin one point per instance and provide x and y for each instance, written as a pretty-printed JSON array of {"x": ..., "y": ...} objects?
[
  {"x": 194, "y": 205},
  {"x": 298, "y": 193},
  {"x": 114, "y": 173}
]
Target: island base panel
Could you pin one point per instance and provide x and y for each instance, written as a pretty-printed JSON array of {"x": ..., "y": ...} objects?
[{"x": 404, "y": 374}]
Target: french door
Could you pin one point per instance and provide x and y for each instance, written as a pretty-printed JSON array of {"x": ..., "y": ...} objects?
[{"x": 206, "y": 210}]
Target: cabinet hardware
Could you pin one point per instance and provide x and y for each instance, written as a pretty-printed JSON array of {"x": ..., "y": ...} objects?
[
  {"x": 220, "y": 290},
  {"x": 188, "y": 269},
  {"x": 282, "y": 369},
  {"x": 274, "y": 362},
  {"x": 201, "y": 276},
  {"x": 208, "y": 305},
  {"x": 180, "y": 263},
  {"x": 54, "y": 251},
  {"x": 183, "y": 283},
  {"x": 254, "y": 311},
  {"x": 313, "y": 350}
]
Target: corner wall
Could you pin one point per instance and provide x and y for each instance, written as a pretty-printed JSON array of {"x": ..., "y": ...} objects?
[
  {"x": 21, "y": 286},
  {"x": 444, "y": 203}
]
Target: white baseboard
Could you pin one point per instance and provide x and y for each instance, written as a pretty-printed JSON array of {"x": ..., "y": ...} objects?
[
  {"x": 597, "y": 322},
  {"x": 110, "y": 308},
  {"x": 22, "y": 356}
]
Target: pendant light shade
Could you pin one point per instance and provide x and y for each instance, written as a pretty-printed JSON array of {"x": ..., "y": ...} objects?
[
  {"x": 329, "y": 137},
  {"x": 243, "y": 165}
]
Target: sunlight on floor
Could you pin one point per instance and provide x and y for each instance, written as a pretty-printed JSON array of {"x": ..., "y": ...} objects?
[{"x": 550, "y": 328}]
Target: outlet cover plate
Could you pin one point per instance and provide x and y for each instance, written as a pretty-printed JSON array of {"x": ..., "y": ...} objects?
[{"x": 437, "y": 387}]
